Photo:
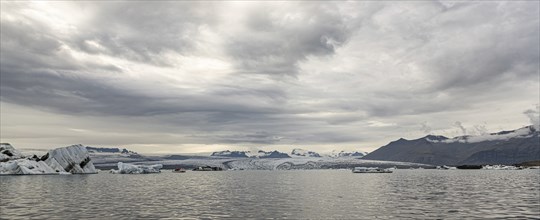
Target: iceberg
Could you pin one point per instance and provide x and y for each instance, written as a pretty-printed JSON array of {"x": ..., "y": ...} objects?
[
  {"x": 124, "y": 168},
  {"x": 67, "y": 160},
  {"x": 26, "y": 167},
  {"x": 8, "y": 152},
  {"x": 72, "y": 159}
]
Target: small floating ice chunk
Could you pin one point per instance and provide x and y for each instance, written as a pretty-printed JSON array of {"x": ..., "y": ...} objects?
[{"x": 124, "y": 168}]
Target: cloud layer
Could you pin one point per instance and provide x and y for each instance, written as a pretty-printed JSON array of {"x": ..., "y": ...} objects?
[{"x": 185, "y": 76}]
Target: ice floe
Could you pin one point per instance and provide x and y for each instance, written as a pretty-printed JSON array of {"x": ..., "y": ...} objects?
[
  {"x": 125, "y": 168},
  {"x": 67, "y": 160}
]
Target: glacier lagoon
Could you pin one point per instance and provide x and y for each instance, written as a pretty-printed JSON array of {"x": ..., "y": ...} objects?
[{"x": 293, "y": 194}]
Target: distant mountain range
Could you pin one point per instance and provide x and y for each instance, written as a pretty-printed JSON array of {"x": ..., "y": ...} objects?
[
  {"x": 505, "y": 147},
  {"x": 304, "y": 153},
  {"x": 295, "y": 153},
  {"x": 108, "y": 150},
  {"x": 347, "y": 154},
  {"x": 248, "y": 154},
  {"x": 119, "y": 154},
  {"x": 109, "y": 156}
]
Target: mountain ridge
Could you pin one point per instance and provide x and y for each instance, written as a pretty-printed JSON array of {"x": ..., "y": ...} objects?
[{"x": 506, "y": 147}]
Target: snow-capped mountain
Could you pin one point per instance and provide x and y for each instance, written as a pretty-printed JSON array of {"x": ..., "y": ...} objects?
[
  {"x": 304, "y": 153},
  {"x": 246, "y": 154},
  {"x": 108, "y": 150},
  {"x": 272, "y": 154},
  {"x": 228, "y": 153},
  {"x": 505, "y": 147},
  {"x": 524, "y": 132},
  {"x": 104, "y": 154},
  {"x": 347, "y": 154},
  {"x": 297, "y": 152}
]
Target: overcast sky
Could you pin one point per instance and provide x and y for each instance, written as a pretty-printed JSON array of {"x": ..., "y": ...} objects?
[{"x": 163, "y": 77}]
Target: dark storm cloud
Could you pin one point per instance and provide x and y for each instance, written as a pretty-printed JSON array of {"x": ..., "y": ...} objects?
[{"x": 75, "y": 95}]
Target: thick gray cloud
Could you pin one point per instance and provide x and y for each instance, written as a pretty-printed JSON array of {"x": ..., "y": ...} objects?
[
  {"x": 142, "y": 32},
  {"x": 185, "y": 76},
  {"x": 311, "y": 28}
]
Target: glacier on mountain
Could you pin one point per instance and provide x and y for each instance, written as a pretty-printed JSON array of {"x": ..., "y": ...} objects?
[
  {"x": 294, "y": 163},
  {"x": 295, "y": 153},
  {"x": 342, "y": 153},
  {"x": 228, "y": 153},
  {"x": 249, "y": 154}
]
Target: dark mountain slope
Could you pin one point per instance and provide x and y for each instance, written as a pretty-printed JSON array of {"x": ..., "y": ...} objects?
[{"x": 509, "y": 147}]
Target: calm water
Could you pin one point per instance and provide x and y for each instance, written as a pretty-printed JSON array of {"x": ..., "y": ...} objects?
[{"x": 313, "y": 194}]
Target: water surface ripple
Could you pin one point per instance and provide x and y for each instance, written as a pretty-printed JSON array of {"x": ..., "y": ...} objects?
[{"x": 309, "y": 194}]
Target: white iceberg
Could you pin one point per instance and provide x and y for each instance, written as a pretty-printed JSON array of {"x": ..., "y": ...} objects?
[
  {"x": 66, "y": 160},
  {"x": 27, "y": 166},
  {"x": 8, "y": 152},
  {"x": 72, "y": 159},
  {"x": 124, "y": 168}
]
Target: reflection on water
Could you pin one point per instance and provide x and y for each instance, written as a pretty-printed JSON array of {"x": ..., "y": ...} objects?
[{"x": 314, "y": 194}]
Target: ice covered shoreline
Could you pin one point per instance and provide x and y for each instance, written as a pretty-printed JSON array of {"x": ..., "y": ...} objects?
[
  {"x": 272, "y": 163},
  {"x": 132, "y": 163}
]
